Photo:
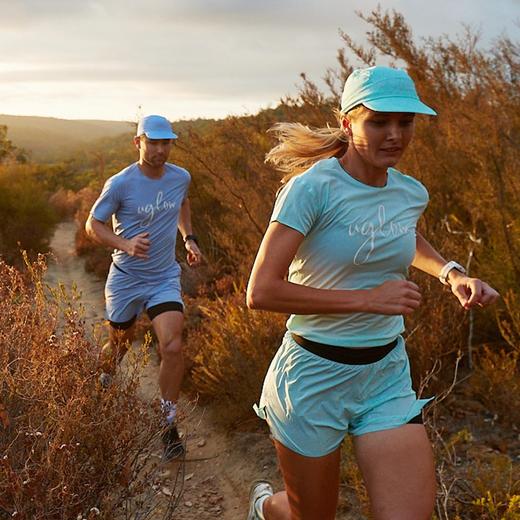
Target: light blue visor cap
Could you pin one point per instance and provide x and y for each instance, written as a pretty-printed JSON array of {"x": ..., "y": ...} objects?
[
  {"x": 382, "y": 89},
  {"x": 155, "y": 127}
]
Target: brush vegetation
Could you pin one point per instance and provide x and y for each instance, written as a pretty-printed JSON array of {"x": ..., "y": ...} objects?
[{"x": 467, "y": 157}]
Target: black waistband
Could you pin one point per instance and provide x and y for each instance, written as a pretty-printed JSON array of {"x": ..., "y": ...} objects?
[{"x": 346, "y": 355}]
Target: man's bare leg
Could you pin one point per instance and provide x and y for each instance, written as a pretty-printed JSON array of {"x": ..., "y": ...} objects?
[
  {"x": 114, "y": 350},
  {"x": 168, "y": 329}
]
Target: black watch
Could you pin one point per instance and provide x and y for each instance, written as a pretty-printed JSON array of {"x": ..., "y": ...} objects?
[{"x": 191, "y": 237}]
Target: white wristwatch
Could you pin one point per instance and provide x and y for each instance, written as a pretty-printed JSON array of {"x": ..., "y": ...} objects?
[{"x": 443, "y": 275}]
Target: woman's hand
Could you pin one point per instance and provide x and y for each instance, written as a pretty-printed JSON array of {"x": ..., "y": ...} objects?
[
  {"x": 471, "y": 291},
  {"x": 393, "y": 297}
]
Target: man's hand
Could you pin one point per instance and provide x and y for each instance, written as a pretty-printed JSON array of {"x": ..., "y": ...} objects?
[
  {"x": 138, "y": 246},
  {"x": 471, "y": 291},
  {"x": 194, "y": 256}
]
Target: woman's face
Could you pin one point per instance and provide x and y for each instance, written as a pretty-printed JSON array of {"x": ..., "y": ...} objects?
[{"x": 380, "y": 138}]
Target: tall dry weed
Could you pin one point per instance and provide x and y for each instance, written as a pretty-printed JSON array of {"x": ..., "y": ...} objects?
[
  {"x": 234, "y": 347},
  {"x": 69, "y": 449}
]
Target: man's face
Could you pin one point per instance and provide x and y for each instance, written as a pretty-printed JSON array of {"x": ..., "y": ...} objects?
[{"x": 153, "y": 152}]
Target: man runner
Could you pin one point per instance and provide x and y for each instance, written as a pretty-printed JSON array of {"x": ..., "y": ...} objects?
[{"x": 147, "y": 202}]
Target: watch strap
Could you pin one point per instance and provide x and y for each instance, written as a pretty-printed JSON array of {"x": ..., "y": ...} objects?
[
  {"x": 445, "y": 271},
  {"x": 191, "y": 237}
]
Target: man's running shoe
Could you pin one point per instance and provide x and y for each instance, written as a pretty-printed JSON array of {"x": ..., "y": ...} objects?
[
  {"x": 105, "y": 380},
  {"x": 173, "y": 445},
  {"x": 259, "y": 489}
]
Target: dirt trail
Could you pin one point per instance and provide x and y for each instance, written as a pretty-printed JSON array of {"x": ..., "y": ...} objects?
[
  {"x": 216, "y": 487},
  {"x": 67, "y": 268}
]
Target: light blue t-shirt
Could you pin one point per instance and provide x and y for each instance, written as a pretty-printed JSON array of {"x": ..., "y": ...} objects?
[
  {"x": 141, "y": 204},
  {"x": 356, "y": 237}
]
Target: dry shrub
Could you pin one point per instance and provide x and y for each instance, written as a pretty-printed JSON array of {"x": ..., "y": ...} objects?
[
  {"x": 205, "y": 279},
  {"x": 496, "y": 382},
  {"x": 353, "y": 496},
  {"x": 26, "y": 217},
  {"x": 69, "y": 448},
  {"x": 65, "y": 202},
  {"x": 233, "y": 349}
]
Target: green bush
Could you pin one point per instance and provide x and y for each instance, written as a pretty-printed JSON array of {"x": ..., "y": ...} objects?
[{"x": 27, "y": 218}]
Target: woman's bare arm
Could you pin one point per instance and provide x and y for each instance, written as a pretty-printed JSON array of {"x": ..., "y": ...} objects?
[
  {"x": 268, "y": 288},
  {"x": 469, "y": 291}
]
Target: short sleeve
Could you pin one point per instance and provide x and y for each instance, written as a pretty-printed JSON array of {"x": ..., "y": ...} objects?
[
  {"x": 297, "y": 205},
  {"x": 108, "y": 202},
  {"x": 187, "y": 184}
]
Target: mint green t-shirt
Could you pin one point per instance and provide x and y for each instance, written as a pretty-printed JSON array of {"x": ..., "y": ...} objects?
[{"x": 356, "y": 237}]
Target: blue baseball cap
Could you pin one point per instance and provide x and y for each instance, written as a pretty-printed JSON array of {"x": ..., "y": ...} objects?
[
  {"x": 382, "y": 89},
  {"x": 155, "y": 127}
]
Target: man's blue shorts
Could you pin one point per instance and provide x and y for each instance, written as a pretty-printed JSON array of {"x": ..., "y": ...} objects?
[
  {"x": 126, "y": 296},
  {"x": 311, "y": 403}
]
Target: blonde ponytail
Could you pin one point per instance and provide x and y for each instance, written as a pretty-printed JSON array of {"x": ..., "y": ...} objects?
[{"x": 300, "y": 146}]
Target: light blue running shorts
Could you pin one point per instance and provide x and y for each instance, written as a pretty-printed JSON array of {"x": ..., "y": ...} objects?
[
  {"x": 126, "y": 296},
  {"x": 311, "y": 403}
]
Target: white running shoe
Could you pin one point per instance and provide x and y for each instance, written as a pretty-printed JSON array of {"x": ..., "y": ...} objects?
[{"x": 259, "y": 489}]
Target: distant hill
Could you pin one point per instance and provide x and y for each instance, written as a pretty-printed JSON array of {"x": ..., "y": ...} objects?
[
  {"x": 48, "y": 139},
  {"x": 51, "y": 139}
]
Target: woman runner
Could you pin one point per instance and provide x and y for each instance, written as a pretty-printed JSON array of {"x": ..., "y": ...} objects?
[{"x": 345, "y": 231}]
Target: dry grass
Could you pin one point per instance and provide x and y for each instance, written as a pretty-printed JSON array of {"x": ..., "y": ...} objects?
[
  {"x": 69, "y": 448},
  {"x": 232, "y": 348}
]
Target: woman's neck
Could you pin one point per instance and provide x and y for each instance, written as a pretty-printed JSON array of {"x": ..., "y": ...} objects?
[{"x": 360, "y": 170}]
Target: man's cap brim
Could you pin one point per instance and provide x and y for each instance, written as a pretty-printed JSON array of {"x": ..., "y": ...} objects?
[{"x": 160, "y": 135}]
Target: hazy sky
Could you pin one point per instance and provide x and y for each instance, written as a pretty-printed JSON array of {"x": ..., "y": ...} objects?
[{"x": 194, "y": 58}]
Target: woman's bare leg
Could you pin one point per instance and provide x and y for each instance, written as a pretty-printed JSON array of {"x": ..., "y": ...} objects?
[
  {"x": 398, "y": 469},
  {"x": 311, "y": 487}
]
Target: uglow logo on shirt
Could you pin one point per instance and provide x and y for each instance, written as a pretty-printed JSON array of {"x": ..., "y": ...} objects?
[
  {"x": 150, "y": 210},
  {"x": 372, "y": 231}
]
